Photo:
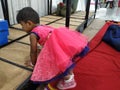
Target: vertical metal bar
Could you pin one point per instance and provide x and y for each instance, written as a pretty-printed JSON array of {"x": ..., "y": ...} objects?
[
  {"x": 50, "y": 6},
  {"x": 68, "y": 11},
  {"x": 5, "y": 10},
  {"x": 64, "y": 1},
  {"x": 87, "y": 12},
  {"x": 96, "y": 4}
]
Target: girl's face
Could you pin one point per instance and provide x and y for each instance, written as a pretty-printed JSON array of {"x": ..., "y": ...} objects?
[{"x": 27, "y": 26}]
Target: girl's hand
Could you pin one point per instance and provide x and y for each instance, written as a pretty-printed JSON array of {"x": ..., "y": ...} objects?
[{"x": 29, "y": 63}]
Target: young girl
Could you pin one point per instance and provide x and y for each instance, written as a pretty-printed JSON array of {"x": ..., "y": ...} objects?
[{"x": 60, "y": 47}]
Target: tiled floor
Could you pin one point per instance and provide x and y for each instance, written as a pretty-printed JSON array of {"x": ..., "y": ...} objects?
[{"x": 109, "y": 13}]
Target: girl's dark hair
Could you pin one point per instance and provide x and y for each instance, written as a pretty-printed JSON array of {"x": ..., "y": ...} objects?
[{"x": 26, "y": 14}]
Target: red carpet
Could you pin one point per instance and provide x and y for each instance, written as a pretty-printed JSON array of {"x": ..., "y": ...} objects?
[{"x": 100, "y": 68}]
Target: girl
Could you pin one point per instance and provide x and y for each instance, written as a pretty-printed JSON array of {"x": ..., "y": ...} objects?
[{"x": 60, "y": 46}]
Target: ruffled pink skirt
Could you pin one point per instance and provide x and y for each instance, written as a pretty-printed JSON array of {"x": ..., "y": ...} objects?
[{"x": 55, "y": 57}]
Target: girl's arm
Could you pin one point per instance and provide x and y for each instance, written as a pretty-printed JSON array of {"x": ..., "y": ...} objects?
[{"x": 33, "y": 48}]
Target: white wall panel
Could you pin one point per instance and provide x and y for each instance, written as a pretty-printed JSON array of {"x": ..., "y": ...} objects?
[
  {"x": 40, "y": 6},
  {"x": 15, "y": 5},
  {"x": 81, "y": 5},
  {"x": 1, "y": 12}
]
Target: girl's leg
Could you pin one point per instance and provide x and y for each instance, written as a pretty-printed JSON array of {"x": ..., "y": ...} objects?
[
  {"x": 112, "y": 4},
  {"x": 67, "y": 82},
  {"x": 69, "y": 75},
  {"x": 41, "y": 87}
]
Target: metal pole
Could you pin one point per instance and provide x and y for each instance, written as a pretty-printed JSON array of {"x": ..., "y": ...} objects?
[
  {"x": 68, "y": 11},
  {"x": 87, "y": 12},
  {"x": 5, "y": 10},
  {"x": 50, "y": 6},
  {"x": 96, "y": 3}
]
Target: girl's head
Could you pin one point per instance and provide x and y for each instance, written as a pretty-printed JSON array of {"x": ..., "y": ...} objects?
[{"x": 28, "y": 18}]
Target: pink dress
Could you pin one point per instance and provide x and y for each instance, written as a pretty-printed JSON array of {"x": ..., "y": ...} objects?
[{"x": 55, "y": 56}]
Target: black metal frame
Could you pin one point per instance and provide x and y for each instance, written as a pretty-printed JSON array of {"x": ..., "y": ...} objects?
[
  {"x": 87, "y": 13},
  {"x": 48, "y": 7},
  {"x": 15, "y": 64},
  {"x": 68, "y": 10},
  {"x": 96, "y": 4}
]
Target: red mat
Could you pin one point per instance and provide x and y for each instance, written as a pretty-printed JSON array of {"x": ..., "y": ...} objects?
[{"x": 100, "y": 68}]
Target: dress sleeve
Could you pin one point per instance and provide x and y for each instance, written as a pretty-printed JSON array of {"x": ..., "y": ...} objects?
[{"x": 36, "y": 35}]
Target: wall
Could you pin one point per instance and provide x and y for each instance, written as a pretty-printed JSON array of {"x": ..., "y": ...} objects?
[
  {"x": 1, "y": 12},
  {"x": 15, "y": 5},
  {"x": 39, "y": 5},
  {"x": 81, "y": 5}
]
